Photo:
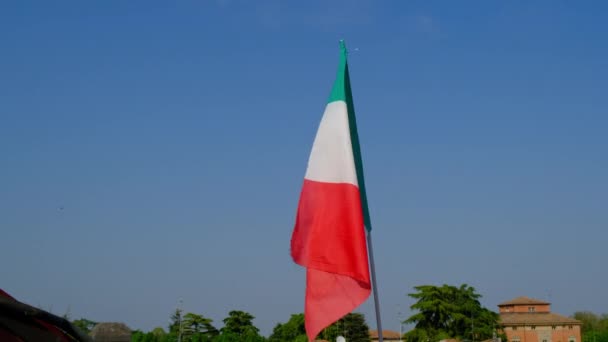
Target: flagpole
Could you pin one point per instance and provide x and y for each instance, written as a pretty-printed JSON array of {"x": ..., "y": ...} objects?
[
  {"x": 359, "y": 169},
  {"x": 372, "y": 266}
]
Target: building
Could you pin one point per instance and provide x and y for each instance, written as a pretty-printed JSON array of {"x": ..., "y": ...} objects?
[
  {"x": 111, "y": 332},
  {"x": 387, "y": 335},
  {"x": 525, "y": 319}
]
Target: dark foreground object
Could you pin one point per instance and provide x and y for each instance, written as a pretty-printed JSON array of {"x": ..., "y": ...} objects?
[{"x": 20, "y": 322}]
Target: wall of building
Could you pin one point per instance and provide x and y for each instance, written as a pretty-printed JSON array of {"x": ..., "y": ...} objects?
[
  {"x": 525, "y": 308},
  {"x": 558, "y": 333}
]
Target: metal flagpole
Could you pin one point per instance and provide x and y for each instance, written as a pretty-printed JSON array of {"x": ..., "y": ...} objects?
[
  {"x": 374, "y": 285},
  {"x": 359, "y": 169}
]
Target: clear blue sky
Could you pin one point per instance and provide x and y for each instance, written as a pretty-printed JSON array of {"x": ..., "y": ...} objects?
[{"x": 152, "y": 150}]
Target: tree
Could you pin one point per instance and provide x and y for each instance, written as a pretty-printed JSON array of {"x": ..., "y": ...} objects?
[
  {"x": 352, "y": 326},
  {"x": 239, "y": 323},
  {"x": 603, "y": 323},
  {"x": 176, "y": 321},
  {"x": 291, "y": 331},
  {"x": 84, "y": 324},
  {"x": 238, "y": 327},
  {"x": 137, "y": 336},
  {"x": 196, "y": 327},
  {"x": 602, "y": 335},
  {"x": 159, "y": 333},
  {"x": 589, "y": 320},
  {"x": 449, "y": 312},
  {"x": 594, "y": 327}
]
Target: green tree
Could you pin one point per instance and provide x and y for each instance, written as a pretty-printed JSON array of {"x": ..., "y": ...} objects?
[
  {"x": 594, "y": 327},
  {"x": 137, "y": 336},
  {"x": 291, "y": 331},
  {"x": 197, "y": 328},
  {"x": 239, "y": 323},
  {"x": 159, "y": 333},
  {"x": 449, "y": 312},
  {"x": 602, "y": 329},
  {"x": 352, "y": 326},
  {"x": 238, "y": 327},
  {"x": 84, "y": 324},
  {"x": 176, "y": 322},
  {"x": 589, "y": 320},
  {"x": 149, "y": 337}
]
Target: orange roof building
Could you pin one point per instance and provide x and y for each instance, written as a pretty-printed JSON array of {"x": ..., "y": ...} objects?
[
  {"x": 388, "y": 335},
  {"x": 526, "y": 319}
]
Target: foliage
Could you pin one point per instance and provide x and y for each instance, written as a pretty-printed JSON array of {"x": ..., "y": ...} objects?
[
  {"x": 594, "y": 328},
  {"x": 352, "y": 326},
  {"x": 84, "y": 324},
  {"x": 449, "y": 312},
  {"x": 239, "y": 323},
  {"x": 155, "y": 335},
  {"x": 137, "y": 336},
  {"x": 176, "y": 321},
  {"x": 158, "y": 332},
  {"x": 197, "y": 328},
  {"x": 596, "y": 336},
  {"x": 291, "y": 331},
  {"x": 589, "y": 320}
]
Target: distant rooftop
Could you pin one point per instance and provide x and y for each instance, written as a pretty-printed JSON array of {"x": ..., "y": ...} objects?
[
  {"x": 111, "y": 332},
  {"x": 373, "y": 334},
  {"x": 523, "y": 300}
]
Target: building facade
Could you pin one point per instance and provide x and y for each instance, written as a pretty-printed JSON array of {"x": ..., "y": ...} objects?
[
  {"x": 525, "y": 319},
  {"x": 111, "y": 332}
]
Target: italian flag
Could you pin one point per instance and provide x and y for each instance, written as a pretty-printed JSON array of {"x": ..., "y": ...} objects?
[{"x": 329, "y": 235}]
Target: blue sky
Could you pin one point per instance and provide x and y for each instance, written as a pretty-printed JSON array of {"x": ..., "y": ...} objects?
[{"x": 154, "y": 150}]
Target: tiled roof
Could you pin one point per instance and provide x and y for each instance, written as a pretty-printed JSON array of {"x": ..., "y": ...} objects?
[
  {"x": 385, "y": 333},
  {"x": 523, "y": 300},
  {"x": 535, "y": 318}
]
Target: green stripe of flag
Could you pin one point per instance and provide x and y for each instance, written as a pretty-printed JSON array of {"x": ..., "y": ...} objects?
[{"x": 341, "y": 91}]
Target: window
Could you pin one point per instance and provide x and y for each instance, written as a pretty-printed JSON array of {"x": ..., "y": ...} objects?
[
  {"x": 572, "y": 339},
  {"x": 553, "y": 327},
  {"x": 533, "y": 327},
  {"x": 531, "y": 309}
]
